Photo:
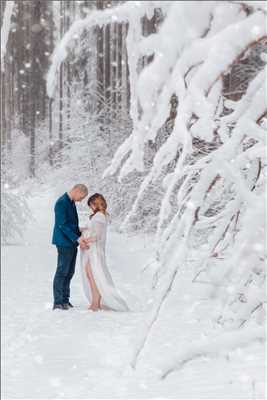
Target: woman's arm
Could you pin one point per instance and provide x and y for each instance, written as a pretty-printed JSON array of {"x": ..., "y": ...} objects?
[{"x": 99, "y": 230}]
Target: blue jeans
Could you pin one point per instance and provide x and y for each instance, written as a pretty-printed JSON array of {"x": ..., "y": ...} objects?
[{"x": 65, "y": 270}]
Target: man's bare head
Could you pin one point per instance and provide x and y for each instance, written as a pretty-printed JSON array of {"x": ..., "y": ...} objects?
[{"x": 78, "y": 192}]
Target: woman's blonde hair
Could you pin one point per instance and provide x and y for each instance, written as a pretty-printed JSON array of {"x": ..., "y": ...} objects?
[{"x": 99, "y": 201}]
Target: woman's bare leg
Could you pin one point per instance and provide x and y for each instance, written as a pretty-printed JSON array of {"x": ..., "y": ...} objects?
[{"x": 96, "y": 297}]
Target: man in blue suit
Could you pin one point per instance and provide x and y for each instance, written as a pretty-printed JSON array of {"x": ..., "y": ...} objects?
[{"x": 67, "y": 237}]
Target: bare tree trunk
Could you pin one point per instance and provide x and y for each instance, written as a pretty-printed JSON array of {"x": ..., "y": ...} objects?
[
  {"x": 107, "y": 63},
  {"x": 119, "y": 66},
  {"x": 32, "y": 140},
  {"x": 3, "y": 110},
  {"x": 125, "y": 74},
  {"x": 50, "y": 104},
  {"x": 100, "y": 57},
  {"x": 22, "y": 56},
  {"x": 68, "y": 74},
  {"x": 3, "y": 100},
  {"x": 50, "y": 155},
  {"x": 61, "y": 75},
  {"x": 114, "y": 29}
]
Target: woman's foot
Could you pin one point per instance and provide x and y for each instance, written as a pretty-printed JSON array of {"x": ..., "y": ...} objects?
[{"x": 93, "y": 307}]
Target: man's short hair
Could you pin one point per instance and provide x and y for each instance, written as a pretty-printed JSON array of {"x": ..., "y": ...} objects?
[{"x": 81, "y": 187}]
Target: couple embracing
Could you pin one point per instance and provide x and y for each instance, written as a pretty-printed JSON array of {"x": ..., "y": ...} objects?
[{"x": 97, "y": 282}]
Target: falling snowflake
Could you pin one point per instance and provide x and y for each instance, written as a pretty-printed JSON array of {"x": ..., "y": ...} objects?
[{"x": 38, "y": 359}]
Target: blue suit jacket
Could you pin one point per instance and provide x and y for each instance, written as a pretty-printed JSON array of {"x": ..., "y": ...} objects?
[{"x": 66, "y": 230}]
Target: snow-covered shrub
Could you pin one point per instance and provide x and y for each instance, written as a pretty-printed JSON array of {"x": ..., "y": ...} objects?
[{"x": 15, "y": 215}]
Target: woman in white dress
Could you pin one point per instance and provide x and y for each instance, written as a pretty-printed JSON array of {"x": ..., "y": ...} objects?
[{"x": 98, "y": 285}]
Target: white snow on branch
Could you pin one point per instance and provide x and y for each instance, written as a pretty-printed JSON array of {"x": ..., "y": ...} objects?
[
  {"x": 121, "y": 13},
  {"x": 213, "y": 346},
  {"x": 215, "y": 54}
]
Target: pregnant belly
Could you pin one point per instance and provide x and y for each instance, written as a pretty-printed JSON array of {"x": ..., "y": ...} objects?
[{"x": 87, "y": 233}]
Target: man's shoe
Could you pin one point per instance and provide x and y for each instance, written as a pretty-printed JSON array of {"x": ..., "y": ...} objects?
[
  {"x": 65, "y": 306},
  {"x": 58, "y": 306},
  {"x": 69, "y": 305}
]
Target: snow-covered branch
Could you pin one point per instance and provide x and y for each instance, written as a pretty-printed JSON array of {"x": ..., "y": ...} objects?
[
  {"x": 122, "y": 13},
  {"x": 226, "y": 341}
]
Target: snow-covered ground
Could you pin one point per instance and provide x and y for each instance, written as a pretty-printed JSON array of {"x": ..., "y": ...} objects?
[{"x": 80, "y": 354}]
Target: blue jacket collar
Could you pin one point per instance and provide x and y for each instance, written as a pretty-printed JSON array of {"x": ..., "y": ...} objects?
[{"x": 68, "y": 197}]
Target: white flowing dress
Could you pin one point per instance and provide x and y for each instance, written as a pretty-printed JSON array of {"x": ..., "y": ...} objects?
[{"x": 96, "y": 257}]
